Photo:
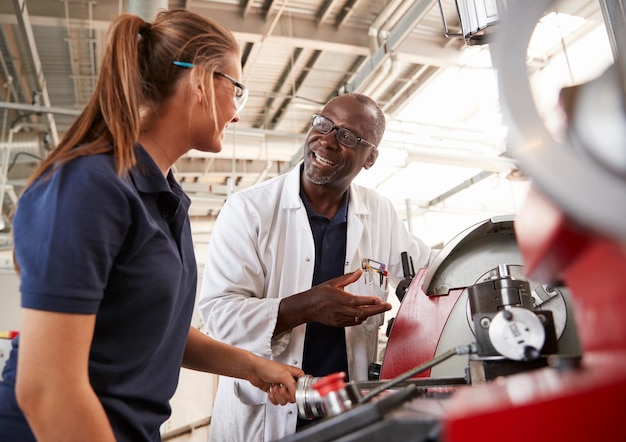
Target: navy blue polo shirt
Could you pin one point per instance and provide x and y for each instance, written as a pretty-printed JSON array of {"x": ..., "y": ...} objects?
[
  {"x": 90, "y": 242},
  {"x": 325, "y": 346}
]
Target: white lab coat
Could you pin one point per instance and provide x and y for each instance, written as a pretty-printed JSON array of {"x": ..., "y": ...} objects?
[{"x": 262, "y": 250}]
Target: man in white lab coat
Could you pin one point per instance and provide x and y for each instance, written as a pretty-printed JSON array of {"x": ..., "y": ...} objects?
[{"x": 298, "y": 268}]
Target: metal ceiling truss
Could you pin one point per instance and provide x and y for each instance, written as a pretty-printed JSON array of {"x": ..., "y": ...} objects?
[
  {"x": 367, "y": 57},
  {"x": 319, "y": 48}
]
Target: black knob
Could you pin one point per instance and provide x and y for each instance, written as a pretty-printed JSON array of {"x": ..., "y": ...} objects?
[{"x": 374, "y": 371}]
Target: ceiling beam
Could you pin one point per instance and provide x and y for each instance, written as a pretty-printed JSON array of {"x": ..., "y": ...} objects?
[
  {"x": 346, "y": 12},
  {"x": 33, "y": 55},
  {"x": 302, "y": 33},
  {"x": 39, "y": 109},
  {"x": 14, "y": 76}
]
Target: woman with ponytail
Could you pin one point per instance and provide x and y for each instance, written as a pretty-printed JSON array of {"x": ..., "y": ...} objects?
[{"x": 104, "y": 250}]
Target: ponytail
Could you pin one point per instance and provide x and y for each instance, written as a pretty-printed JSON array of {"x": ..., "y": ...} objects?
[{"x": 137, "y": 75}]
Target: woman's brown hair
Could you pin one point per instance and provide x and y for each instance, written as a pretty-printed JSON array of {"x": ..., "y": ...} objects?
[{"x": 136, "y": 76}]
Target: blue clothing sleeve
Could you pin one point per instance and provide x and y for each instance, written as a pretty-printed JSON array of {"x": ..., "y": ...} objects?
[{"x": 76, "y": 220}]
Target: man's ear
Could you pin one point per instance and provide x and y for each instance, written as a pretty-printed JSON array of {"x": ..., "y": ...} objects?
[{"x": 371, "y": 158}]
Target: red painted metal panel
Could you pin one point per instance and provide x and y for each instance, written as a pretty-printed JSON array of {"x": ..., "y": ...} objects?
[{"x": 416, "y": 329}]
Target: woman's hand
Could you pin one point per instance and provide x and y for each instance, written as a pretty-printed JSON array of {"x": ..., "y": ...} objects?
[{"x": 278, "y": 380}]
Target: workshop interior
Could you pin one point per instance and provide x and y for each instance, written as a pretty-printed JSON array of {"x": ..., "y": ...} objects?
[{"x": 505, "y": 151}]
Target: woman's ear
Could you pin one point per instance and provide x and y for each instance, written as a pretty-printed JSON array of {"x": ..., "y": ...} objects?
[
  {"x": 371, "y": 158},
  {"x": 196, "y": 85}
]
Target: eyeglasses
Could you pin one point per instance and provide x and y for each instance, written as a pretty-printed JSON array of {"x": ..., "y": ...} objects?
[
  {"x": 241, "y": 92},
  {"x": 344, "y": 136}
]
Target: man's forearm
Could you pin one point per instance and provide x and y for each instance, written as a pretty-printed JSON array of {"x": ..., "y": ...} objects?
[{"x": 291, "y": 313}]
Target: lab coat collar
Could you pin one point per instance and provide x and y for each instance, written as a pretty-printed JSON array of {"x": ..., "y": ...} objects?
[{"x": 292, "y": 200}]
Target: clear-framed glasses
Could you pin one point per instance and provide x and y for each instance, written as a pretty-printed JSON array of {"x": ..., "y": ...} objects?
[
  {"x": 241, "y": 92},
  {"x": 344, "y": 136}
]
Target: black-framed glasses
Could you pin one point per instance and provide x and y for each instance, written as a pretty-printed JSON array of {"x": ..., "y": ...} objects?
[
  {"x": 344, "y": 136},
  {"x": 241, "y": 92}
]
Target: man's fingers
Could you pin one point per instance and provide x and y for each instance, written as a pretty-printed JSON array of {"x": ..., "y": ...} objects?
[
  {"x": 365, "y": 311},
  {"x": 361, "y": 301},
  {"x": 347, "y": 279}
]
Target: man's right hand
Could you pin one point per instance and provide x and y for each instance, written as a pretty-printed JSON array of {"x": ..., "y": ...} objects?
[{"x": 329, "y": 304}]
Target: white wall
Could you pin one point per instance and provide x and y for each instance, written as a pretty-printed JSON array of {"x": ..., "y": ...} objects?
[
  {"x": 9, "y": 311},
  {"x": 9, "y": 300}
]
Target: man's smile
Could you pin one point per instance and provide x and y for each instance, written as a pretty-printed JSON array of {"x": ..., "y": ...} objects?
[{"x": 325, "y": 162}]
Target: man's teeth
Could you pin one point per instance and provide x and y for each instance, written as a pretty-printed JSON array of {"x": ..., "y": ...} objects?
[{"x": 323, "y": 160}]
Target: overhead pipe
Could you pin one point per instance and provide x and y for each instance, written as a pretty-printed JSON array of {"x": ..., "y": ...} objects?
[
  {"x": 400, "y": 32},
  {"x": 376, "y": 41},
  {"x": 391, "y": 68}
]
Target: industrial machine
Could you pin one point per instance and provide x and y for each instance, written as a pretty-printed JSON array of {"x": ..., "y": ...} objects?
[
  {"x": 468, "y": 319},
  {"x": 474, "y": 280},
  {"x": 517, "y": 330}
]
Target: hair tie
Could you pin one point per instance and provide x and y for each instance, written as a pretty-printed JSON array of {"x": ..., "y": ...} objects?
[{"x": 145, "y": 30}]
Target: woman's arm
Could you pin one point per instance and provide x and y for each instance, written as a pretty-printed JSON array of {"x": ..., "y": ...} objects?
[
  {"x": 206, "y": 354},
  {"x": 53, "y": 388}
]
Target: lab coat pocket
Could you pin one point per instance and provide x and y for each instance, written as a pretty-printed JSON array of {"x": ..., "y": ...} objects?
[
  {"x": 373, "y": 323},
  {"x": 248, "y": 394}
]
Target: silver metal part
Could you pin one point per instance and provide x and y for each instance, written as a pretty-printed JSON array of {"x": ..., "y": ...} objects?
[
  {"x": 544, "y": 297},
  {"x": 312, "y": 405},
  {"x": 517, "y": 333},
  {"x": 549, "y": 298},
  {"x": 468, "y": 259},
  {"x": 336, "y": 402},
  {"x": 308, "y": 400}
]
